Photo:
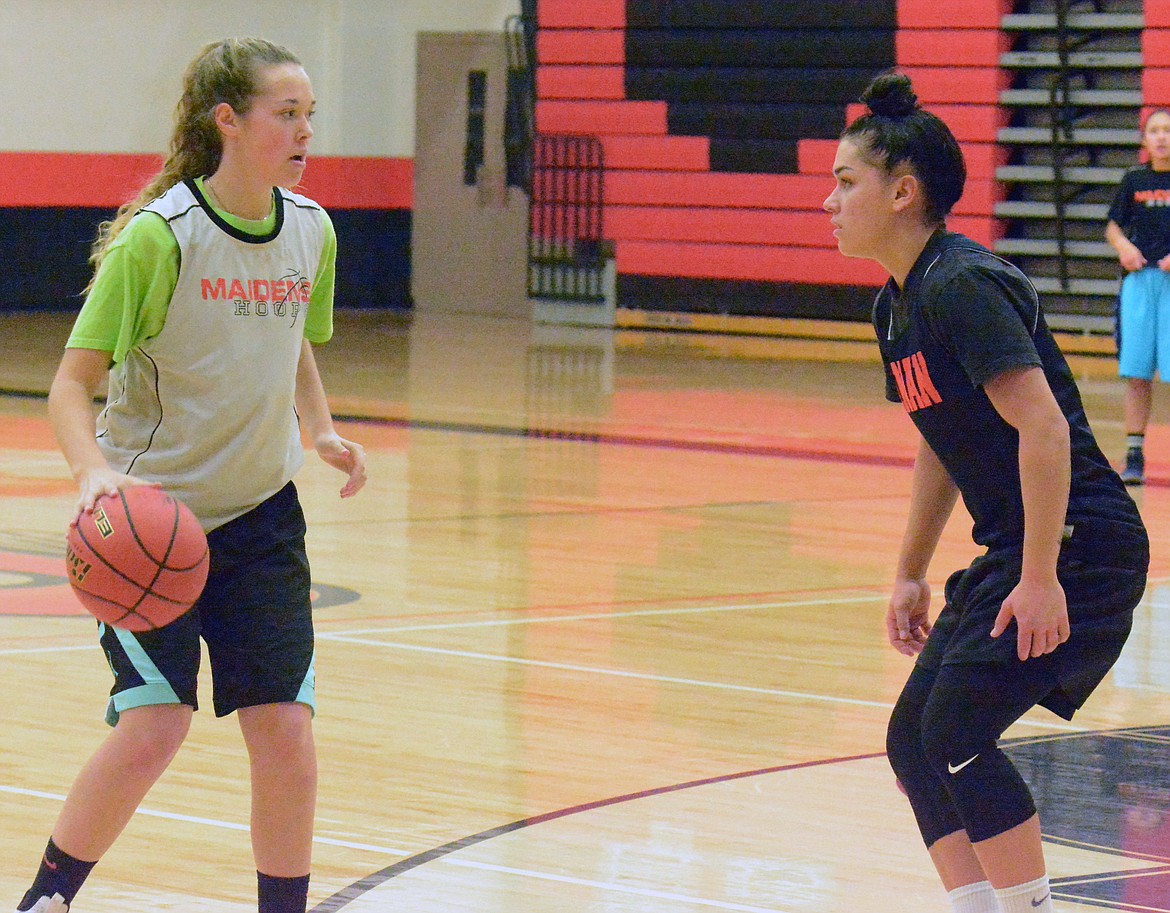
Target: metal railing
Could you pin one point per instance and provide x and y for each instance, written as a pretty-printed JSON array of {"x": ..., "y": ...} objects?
[
  {"x": 566, "y": 260},
  {"x": 520, "y": 106},
  {"x": 1060, "y": 117}
]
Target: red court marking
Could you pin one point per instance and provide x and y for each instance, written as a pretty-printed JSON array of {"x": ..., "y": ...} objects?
[
  {"x": 27, "y": 433},
  {"x": 35, "y": 488},
  {"x": 50, "y": 599}
]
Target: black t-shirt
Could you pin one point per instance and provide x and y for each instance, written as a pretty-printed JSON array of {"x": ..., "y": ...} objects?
[
  {"x": 1141, "y": 208},
  {"x": 964, "y": 317}
]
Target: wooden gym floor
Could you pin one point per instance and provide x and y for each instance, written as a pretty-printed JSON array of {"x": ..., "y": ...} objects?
[{"x": 604, "y": 633}]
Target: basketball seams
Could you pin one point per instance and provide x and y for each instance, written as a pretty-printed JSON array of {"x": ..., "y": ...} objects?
[
  {"x": 158, "y": 563},
  {"x": 127, "y": 611},
  {"x": 162, "y": 562},
  {"x": 145, "y": 589},
  {"x": 113, "y": 564}
]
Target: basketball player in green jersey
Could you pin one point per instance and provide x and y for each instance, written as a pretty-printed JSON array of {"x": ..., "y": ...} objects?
[{"x": 209, "y": 289}]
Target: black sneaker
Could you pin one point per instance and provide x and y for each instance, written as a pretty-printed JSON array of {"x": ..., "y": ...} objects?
[{"x": 1135, "y": 467}]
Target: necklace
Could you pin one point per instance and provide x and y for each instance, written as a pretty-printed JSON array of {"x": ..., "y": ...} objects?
[{"x": 214, "y": 196}]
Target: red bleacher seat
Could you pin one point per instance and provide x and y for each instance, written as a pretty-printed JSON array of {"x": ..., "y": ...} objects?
[
  {"x": 952, "y": 14},
  {"x": 668, "y": 212}
]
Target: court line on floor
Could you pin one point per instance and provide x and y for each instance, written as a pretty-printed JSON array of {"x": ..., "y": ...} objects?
[
  {"x": 16, "y": 651},
  {"x": 211, "y": 822},
  {"x": 789, "y": 450},
  {"x": 459, "y": 863},
  {"x": 644, "y": 676},
  {"x": 632, "y": 613},
  {"x": 441, "y": 853}
]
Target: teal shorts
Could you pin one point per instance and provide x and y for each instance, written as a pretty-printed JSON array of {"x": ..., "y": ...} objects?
[{"x": 255, "y": 615}]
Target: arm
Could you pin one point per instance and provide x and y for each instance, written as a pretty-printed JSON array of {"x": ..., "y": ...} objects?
[
  {"x": 1025, "y": 401},
  {"x": 1127, "y": 253},
  {"x": 78, "y": 379},
  {"x": 313, "y": 409},
  {"x": 932, "y": 499}
]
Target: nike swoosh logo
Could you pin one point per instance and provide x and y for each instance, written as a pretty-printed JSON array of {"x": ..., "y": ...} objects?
[
  {"x": 955, "y": 768},
  {"x": 1040, "y": 902}
]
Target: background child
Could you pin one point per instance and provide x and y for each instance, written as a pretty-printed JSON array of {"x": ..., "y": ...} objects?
[{"x": 1139, "y": 230}]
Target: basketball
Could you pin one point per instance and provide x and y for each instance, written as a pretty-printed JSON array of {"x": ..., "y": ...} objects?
[{"x": 138, "y": 560}]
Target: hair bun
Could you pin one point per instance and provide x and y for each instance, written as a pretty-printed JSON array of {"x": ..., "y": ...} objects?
[{"x": 891, "y": 95}]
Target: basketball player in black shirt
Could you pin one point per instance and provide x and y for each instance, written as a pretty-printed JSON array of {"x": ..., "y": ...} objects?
[{"x": 1042, "y": 614}]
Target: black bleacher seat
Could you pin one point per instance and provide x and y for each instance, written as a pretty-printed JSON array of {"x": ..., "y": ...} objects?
[
  {"x": 756, "y": 76},
  {"x": 753, "y": 14}
]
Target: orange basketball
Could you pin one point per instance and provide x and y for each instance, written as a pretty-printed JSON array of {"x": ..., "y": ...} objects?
[{"x": 138, "y": 560}]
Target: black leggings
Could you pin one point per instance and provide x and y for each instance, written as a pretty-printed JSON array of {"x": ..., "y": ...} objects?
[{"x": 942, "y": 744}]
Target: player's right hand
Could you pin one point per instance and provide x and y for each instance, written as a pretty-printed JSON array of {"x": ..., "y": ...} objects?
[
  {"x": 908, "y": 616},
  {"x": 1132, "y": 260},
  {"x": 99, "y": 482}
]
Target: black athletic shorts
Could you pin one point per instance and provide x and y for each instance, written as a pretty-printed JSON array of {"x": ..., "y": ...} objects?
[
  {"x": 255, "y": 616},
  {"x": 1102, "y": 568}
]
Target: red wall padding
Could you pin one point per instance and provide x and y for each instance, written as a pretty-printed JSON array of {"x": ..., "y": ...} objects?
[{"x": 106, "y": 181}]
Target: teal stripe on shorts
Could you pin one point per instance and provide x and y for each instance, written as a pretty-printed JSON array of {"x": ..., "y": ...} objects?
[
  {"x": 308, "y": 693},
  {"x": 155, "y": 688}
]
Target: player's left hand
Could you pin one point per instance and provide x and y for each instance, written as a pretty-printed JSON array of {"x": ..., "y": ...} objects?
[
  {"x": 1041, "y": 615},
  {"x": 348, "y": 457}
]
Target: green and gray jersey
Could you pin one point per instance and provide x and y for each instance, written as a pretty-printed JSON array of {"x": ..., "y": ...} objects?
[{"x": 204, "y": 316}]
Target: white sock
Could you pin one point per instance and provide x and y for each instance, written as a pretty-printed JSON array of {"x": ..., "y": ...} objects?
[
  {"x": 1033, "y": 897},
  {"x": 974, "y": 898}
]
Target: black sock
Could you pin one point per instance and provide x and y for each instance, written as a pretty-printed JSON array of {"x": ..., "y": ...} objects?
[
  {"x": 282, "y": 895},
  {"x": 1135, "y": 442},
  {"x": 60, "y": 874}
]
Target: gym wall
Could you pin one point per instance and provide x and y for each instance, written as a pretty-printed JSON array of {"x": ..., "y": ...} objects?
[
  {"x": 90, "y": 87},
  {"x": 714, "y": 205}
]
